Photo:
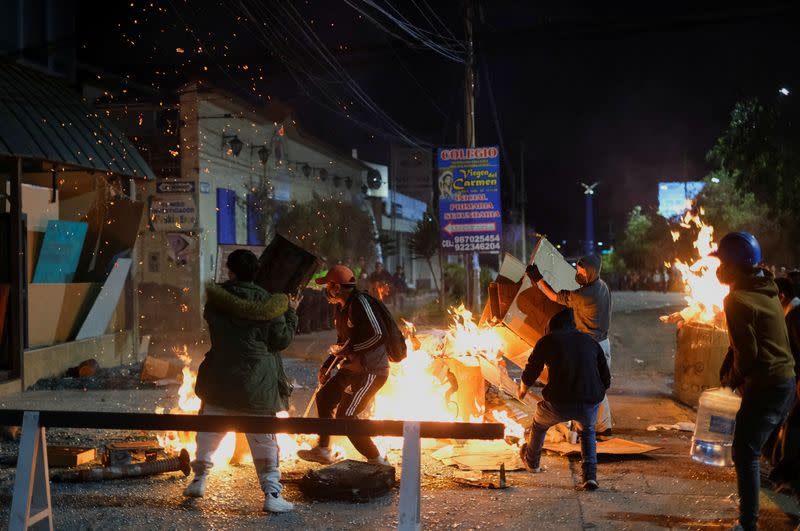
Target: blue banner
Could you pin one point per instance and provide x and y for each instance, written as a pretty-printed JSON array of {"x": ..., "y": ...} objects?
[{"x": 469, "y": 200}]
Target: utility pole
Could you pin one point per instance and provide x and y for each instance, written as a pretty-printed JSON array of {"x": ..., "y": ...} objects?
[
  {"x": 523, "y": 201},
  {"x": 588, "y": 192},
  {"x": 472, "y": 267}
]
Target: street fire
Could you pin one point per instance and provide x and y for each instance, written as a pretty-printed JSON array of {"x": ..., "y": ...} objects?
[
  {"x": 441, "y": 380},
  {"x": 704, "y": 292},
  {"x": 189, "y": 404}
]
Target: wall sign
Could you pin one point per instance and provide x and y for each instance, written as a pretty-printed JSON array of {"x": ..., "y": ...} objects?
[
  {"x": 175, "y": 187},
  {"x": 173, "y": 213}
]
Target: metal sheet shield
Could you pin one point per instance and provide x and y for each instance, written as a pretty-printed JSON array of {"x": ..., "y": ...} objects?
[{"x": 469, "y": 199}]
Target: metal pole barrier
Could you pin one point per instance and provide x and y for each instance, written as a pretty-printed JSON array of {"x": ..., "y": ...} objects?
[{"x": 409, "y": 512}]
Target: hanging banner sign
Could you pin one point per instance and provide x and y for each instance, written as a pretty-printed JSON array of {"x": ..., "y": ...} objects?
[{"x": 470, "y": 218}]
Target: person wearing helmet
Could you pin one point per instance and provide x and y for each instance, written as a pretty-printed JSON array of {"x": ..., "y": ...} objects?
[
  {"x": 759, "y": 361},
  {"x": 364, "y": 364}
]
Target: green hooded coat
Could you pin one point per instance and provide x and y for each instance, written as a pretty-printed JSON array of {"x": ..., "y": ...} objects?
[
  {"x": 249, "y": 327},
  {"x": 760, "y": 352}
]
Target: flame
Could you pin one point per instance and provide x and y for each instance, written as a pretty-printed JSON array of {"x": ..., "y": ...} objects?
[
  {"x": 514, "y": 431},
  {"x": 704, "y": 292},
  {"x": 382, "y": 289},
  {"x": 424, "y": 386},
  {"x": 189, "y": 404}
]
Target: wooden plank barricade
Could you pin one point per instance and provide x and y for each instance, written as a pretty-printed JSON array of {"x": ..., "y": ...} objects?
[{"x": 31, "y": 506}]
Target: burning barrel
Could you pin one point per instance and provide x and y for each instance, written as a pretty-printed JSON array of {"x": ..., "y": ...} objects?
[{"x": 701, "y": 347}]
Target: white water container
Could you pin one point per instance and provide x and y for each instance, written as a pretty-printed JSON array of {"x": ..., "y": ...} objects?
[{"x": 713, "y": 432}]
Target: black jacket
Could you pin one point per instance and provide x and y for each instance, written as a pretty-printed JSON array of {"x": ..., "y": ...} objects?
[
  {"x": 577, "y": 368},
  {"x": 360, "y": 332}
]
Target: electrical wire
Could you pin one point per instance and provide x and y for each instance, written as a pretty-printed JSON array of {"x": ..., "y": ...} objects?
[{"x": 310, "y": 57}]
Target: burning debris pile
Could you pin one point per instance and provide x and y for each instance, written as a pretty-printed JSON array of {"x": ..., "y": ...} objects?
[
  {"x": 446, "y": 374},
  {"x": 704, "y": 292},
  {"x": 702, "y": 339}
]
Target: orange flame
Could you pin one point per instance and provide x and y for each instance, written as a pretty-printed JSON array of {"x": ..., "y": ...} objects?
[{"x": 704, "y": 292}]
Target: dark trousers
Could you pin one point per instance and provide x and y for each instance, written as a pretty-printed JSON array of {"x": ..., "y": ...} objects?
[
  {"x": 549, "y": 414},
  {"x": 349, "y": 394},
  {"x": 763, "y": 409}
]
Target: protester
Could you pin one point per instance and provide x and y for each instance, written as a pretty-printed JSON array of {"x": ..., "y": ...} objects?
[
  {"x": 399, "y": 289},
  {"x": 578, "y": 378},
  {"x": 759, "y": 362},
  {"x": 364, "y": 364},
  {"x": 361, "y": 267},
  {"x": 242, "y": 373},
  {"x": 592, "y": 306},
  {"x": 786, "y": 472}
]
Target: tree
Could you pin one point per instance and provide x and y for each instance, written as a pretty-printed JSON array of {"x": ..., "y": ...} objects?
[
  {"x": 330, "y": 227},
  {"x": 424, "y": 244},
  {"x": 728, "y": 208},
  {"x": 647, "y": 243},
  {"x": 757, "y": 163},
  {"x": 760, "y": 150}
]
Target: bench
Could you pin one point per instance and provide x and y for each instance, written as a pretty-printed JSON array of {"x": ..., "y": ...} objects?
[{"x": 31, "y": 506}]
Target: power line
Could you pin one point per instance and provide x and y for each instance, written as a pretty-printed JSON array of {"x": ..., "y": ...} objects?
[{"x": 312, "y": 62}]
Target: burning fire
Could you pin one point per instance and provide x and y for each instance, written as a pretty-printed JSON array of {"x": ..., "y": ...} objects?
[
  {"x": 382, "y": 289},
  {"x": 189, "y": 404},
  {"x": 704, "y": 292},
  {"x": 440, "y": 380}
]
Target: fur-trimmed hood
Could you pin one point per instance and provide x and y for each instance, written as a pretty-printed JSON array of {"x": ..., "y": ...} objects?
[{"x": 245, "y": 300}]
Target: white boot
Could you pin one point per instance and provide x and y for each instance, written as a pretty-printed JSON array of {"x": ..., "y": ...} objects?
[
  {"x": 380, "y": 460},
  {"x": 318, "y": 454},
  {"x": 197, "y": 488},
  {"x": 276, "y": 504}
]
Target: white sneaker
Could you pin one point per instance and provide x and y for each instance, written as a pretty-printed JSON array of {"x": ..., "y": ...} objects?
[
  {"x": 276, "y": 504},
  {"x": 197, "y": 488},
  {"x": 318, "y": 454},
  {"x": 380, "y": 460}
]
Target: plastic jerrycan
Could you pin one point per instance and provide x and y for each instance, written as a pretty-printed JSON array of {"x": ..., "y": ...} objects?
[{"x": 713, "y": 432}]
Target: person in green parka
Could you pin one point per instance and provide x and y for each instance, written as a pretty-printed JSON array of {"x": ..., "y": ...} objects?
[{"x": 243, "y": 372}]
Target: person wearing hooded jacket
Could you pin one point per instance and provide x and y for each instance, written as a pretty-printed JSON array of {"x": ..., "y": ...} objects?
[
  {"x": 578, "y": 378},
  {"x": 591, "y": 304},
  {"x": 759, "y": 362},
  {"x": 242, "y": 373}
]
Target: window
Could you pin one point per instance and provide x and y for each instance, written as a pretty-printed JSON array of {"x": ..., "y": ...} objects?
[{"x": 226, "y": 216}]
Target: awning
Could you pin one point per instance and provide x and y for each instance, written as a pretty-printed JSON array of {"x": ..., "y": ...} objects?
[{"x": 43, "y": 118}]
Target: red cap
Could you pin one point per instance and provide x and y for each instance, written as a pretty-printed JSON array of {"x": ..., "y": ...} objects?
[{"x": 338, "y": 274}]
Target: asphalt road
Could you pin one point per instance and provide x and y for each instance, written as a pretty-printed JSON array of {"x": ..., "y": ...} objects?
[{"x": 664, "y": 489}]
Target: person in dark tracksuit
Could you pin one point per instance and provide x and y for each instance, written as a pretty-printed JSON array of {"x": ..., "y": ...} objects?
[
  {"x": 364, "y": 364},
  {"x": 578, "y": 378},
  {"x": 759, "y": 362}
]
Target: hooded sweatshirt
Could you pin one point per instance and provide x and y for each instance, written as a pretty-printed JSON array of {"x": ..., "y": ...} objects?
[
  {"x": 760, "y": 354},
  {"x": 577, "y": 368},
  {"x": 591, "y": 302},
  {"x": 248, "y": 327}
]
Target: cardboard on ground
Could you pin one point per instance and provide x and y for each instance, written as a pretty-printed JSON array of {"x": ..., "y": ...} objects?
[{"x": 614, "y": 446}]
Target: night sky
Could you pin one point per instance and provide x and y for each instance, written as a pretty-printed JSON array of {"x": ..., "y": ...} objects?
[{"x": 625, "y": 97}]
